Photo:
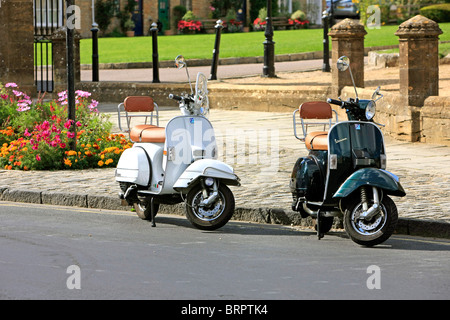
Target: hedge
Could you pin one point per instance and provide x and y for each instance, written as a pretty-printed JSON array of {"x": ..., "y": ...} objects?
[{"x": 437, "y": 12}]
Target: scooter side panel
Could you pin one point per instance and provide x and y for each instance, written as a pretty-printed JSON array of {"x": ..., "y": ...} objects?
[
  {"x": 133, "y": 167},
  {"x": 371, "y": 177},
  {"x": 307, "y": 178}
]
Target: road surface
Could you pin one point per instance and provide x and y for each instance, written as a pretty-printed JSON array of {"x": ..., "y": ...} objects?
[{"x": 47, "y": 251}]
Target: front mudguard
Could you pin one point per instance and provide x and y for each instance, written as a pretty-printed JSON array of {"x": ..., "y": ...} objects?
[
  {"x": 206, "y": 168},
  {"x": 374, "y": 177}
]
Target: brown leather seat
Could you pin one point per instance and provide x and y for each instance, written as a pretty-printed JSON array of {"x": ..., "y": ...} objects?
[
  {"x": 317, "y": 140},
  {"x": 148, "y": 133}
]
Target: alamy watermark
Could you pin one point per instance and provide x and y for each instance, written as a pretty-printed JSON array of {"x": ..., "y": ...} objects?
[
  {"x": 374, "y": 17},
  {"x": 74, "y": 280},
  {"x": 73, "y": 14},
  {"x": 374, "y": 280}
]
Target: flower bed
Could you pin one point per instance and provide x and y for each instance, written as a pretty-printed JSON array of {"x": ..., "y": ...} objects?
[
  {"x": 37, "y": 136},
  {"x": 191, "y": 26},
  {"x": 299, "y": 24}
]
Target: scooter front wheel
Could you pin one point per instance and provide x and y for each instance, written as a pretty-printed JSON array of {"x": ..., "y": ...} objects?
[
  {"x": 376, "y": 230},
  {"x": 215, "y": 215}
]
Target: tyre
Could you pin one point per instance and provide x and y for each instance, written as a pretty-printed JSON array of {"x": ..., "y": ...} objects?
[
  {"x": 214, "y": 216},
  {"x": 375, "y": 231},
  {"x": 326, "y": 223},
  {"x": 143, "y": 209}
]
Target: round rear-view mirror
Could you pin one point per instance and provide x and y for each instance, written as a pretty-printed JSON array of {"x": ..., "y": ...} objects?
[{"x": 343, "y": 63}]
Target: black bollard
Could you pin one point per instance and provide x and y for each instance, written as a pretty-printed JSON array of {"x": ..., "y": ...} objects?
[
  {"x": 70, "y": 75},
  {"x": 269, "y": 45},
  {"x": 215, "y": 60},
  {"x": 155, "y": 62},
  {"x": 326, "y": 43},
  {"x": 95, "y": 68}
]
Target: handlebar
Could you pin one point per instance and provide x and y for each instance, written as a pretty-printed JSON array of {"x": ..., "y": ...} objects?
[
  {"x": 336, "y": 102},
  {"x": 175, "y": 97},
  {"x": 179, "y": 98}
]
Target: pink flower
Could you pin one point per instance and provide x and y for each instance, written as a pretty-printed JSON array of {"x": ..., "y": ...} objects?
[
  {"x": 70, "y": 135},
  {"x": 62, "y": 145},
  {"x": 83, "y": 94},
  {"x": 23, "y": 107},
  {"x": 78, "y": 124},
  {"x": 38, "y": 158},
  {"x": 45, "y": 125},
  {"x": 4, "y": 96},
  {"x": 11, "y": 84},
  {"x": 26, "y": 133},
  {"x": 68, "y": 124},
  {"x": 18, "y": 93},
  {"x": 93, "y": 106}
]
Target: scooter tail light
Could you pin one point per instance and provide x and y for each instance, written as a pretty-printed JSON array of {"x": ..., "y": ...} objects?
[{"x": 333, "y": 161}]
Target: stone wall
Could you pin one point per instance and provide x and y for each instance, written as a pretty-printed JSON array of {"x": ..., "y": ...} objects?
[
  {"x": 435, "y": 120},
  {"x": 254, "y": 98},
  {"x": 16, "y": 45},
  {"x": 428, "y": 123}
]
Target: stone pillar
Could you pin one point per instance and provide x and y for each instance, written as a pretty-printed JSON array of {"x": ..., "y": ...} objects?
[
  {"x": 347, "y": 38},
  {"x": 60, "y": 59},
  {"x": 419, "y": 59},
  {"x": 16, "y": 45}
]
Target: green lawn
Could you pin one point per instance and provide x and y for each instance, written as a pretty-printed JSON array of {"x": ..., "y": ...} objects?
[{"x": 139, "y": 49}]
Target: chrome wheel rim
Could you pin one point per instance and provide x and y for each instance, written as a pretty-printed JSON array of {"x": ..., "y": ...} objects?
[
  {"x": 208, "y": 213},
  {"x": 367, "y": 228}
]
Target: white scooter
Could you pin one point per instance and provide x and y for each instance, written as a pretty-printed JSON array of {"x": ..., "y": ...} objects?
[{"x": 178, "y": 163}]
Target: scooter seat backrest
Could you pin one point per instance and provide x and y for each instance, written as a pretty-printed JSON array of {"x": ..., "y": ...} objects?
[
  {"x": 139, "y": 104},
  {"x": 315, "y": 110},
  {"x": 141, "y": 107}
]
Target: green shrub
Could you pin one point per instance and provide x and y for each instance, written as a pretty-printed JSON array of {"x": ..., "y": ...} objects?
[
  {"x": 437, "y": 12},
  {"x": 189, "y": 16},
  {"x": 104, "y": 12},
  {"x": 298, "y": 15}
]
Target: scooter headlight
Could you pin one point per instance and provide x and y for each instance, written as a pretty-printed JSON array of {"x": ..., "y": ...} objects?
[
  {"x": 209, "y": 182},
  {"x": 370, "y": 110}
]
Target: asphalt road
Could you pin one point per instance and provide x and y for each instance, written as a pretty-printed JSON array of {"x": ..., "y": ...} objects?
[{"x": 49, "y": 252}]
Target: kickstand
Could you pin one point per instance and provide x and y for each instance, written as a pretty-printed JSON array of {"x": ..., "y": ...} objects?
[
  {"x": 320, "y": 234},
  {"x": 152, "y": 212}
]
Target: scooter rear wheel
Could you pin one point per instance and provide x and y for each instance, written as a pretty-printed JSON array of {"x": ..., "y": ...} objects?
[
  {"x": 375, "y": 231},
  {"x": 213, "y": 217},
  {"x": 143, "y": 209}
]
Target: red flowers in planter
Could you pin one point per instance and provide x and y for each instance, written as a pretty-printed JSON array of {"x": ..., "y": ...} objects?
[{"x": 190, "y": 25}]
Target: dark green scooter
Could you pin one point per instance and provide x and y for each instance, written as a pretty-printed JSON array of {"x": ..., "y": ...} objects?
[{"x": 344, "y": 172}]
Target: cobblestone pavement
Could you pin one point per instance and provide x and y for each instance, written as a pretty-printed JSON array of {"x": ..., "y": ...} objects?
[{"x": 265, "y": 151}]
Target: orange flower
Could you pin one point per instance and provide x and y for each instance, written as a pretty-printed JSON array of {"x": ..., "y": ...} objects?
[{"x": 67, "y": 162}]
